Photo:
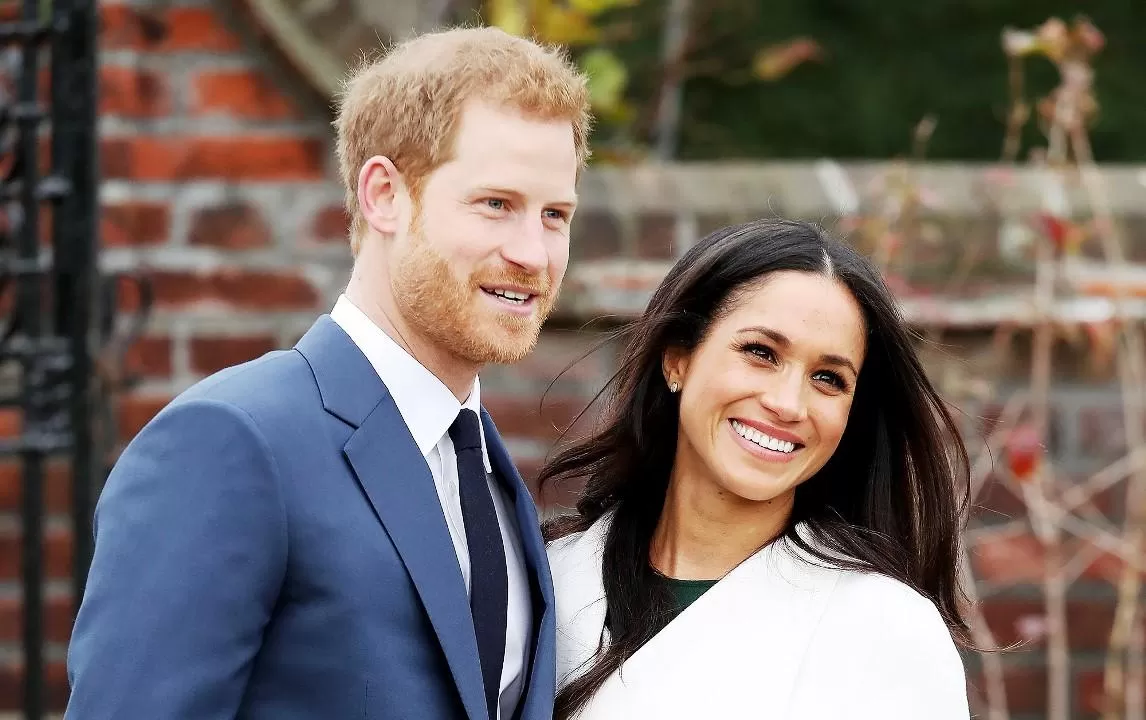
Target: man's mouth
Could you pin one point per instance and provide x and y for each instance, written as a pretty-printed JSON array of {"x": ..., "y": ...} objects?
[{"x": 512, "y": 297}]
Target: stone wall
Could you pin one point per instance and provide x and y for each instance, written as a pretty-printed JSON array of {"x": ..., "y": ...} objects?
[{"x": 218, "y": 186}]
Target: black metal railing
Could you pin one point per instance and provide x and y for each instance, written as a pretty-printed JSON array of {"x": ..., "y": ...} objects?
[{"x": 60, "y": 309}]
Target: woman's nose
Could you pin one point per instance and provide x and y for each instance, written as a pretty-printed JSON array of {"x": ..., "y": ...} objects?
[{"x": 785, "y": 398}]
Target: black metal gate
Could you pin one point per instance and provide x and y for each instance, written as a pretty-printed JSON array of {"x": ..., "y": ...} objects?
[{"x": 60, "y": 310}]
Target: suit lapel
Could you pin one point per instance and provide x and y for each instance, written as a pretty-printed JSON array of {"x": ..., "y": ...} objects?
[
  {"x": 397, "y": 481},
  {"x": 537, "y": 695}
]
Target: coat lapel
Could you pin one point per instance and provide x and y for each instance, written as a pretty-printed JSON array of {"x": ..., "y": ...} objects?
[
  {"x": 742, "y": 642},
  {"x": 537, "y": 699},
  {"x": 397, "y": 481}
]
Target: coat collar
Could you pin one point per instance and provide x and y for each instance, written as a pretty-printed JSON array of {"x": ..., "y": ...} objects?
[
  {"x": 576, "y": 564},
  {"x": 347, "y": 383}
]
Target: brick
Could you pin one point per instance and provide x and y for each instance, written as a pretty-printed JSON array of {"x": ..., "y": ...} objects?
[
  {"x": 1008, "y": 558},
  {"x": 134, "y": 223},
  {"x": 198, "y": 29},
  {"x": 331, "y": 225},
  {"x": 553, "y": 495},
  {"x": 58, "y": 616},
  {"x": 235, "y": 288},
  {"x": 211, "y": 354},
  {"x": 232, "y": 227},
  {"x": 57, "y": 486},
  {"x": 149, "y": 357},
  {"x": 47, "y": 225},
  {"x": 1090, "y": 695},
  {"x": 1107, "y": 567},
  {"x": 1014, "y": 620},
  {"x": 997, "y": 503},
  {"x": 44, "y": 83},
  {"x": 576, "y": 356},
  {"x": 525, "y": 416},
  {"x": 245, "y": 94},
  {"x": 11, "y": 422},
  {"x": 7, "y": 298},
  {"x": 227, "y": 158},
  {"x": 1026, "y": 688},
  {"x": 1019, "y": 558},
  {"x": 57, "y": 554},
  {"x": 128, "y": 28},
  {"x": 594, "y": 235},
  {"x": 656, "y": 236},
  {"x": 135, "y": 411},
  {"x": 55, "y": 686},
  {"x": 133, "y": 93}
]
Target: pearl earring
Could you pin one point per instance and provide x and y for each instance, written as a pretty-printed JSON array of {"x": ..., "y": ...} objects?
[{"x": 673, "y": 387}]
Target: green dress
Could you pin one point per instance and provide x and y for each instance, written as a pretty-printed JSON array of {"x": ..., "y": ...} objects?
[{"x": 685, "y": 592}]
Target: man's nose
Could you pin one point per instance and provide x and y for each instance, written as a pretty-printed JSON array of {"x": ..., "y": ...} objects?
[{"x": 527, "y": 248}]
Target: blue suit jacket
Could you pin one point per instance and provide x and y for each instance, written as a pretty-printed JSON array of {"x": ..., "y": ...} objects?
[{"x": 272, "y": 546}]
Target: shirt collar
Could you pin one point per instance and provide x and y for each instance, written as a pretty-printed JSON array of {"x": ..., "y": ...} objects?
[{"x": 425, "y": 403}]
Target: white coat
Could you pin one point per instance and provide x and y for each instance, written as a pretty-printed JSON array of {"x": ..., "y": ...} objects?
[{"x": 778, "y": 638}]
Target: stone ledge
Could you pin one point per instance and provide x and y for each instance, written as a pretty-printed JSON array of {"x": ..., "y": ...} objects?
[
  {"x": 617, "y": 291},
  {"x": 827, "y": 187}
]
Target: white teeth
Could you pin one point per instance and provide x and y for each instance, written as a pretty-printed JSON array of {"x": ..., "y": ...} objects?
[
  {"x": 510, "y": 295},
  {"x": 765, "y": 441}
]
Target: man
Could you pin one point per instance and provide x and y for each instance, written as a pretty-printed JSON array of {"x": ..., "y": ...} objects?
[{"x": 337, "y": 530}]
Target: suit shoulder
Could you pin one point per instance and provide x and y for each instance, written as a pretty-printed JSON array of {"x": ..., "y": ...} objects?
[
  {"x": 281, "y": 377},
  {"x": 270, "y": 392}
]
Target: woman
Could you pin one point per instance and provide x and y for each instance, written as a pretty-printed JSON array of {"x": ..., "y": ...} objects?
[{"x": 769, "y": 523}]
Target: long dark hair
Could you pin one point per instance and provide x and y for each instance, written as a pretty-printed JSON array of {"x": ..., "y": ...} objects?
[{"x": 887, "y": 500}]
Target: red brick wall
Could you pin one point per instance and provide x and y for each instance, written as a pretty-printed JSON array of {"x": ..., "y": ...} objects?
[{"x": 221, "y": 189}]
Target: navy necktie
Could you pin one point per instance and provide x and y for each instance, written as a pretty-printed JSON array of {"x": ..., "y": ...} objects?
[{"x": 489, "y": 585}]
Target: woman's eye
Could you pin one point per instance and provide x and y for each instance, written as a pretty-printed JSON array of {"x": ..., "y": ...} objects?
[
  {"x": 832, "y": 379},
  {"x": 760, "y": 351},
  {"x": 496, "y": 203}
]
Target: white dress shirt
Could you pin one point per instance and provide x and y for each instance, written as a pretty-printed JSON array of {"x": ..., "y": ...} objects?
[{"x": 429, "y": 408}]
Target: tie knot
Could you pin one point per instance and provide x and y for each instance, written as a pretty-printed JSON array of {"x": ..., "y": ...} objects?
[{"x": 466, "y": 431}]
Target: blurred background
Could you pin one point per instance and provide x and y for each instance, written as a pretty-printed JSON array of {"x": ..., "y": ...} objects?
[{"x": 170, "y": 207}]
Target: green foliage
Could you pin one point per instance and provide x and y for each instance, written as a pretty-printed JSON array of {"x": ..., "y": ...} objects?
[
  {"x": 576, "y": 25},
  {"x": 839, "y": 78},
  {"x": 890, "y": 63}
]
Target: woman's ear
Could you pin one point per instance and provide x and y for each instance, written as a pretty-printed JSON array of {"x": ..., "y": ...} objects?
[{"x": 674, "y": 365}]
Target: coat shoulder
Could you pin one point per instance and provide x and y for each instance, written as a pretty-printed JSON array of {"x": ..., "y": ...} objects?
[
  {"x": 889, "y": 652},
  {"x": 872, "y": 596},
  {"x": 575, "y": 552},
  {"x": 873, "y": 610}
]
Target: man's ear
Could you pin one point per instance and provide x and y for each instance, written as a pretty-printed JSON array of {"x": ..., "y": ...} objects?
[
  {"x": 381, "y": 193},
  {"x": 674, "y": 365}
]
